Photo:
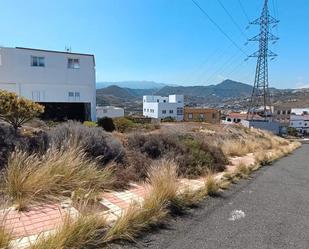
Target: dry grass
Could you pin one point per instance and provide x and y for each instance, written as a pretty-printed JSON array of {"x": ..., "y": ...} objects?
[
  {"x": 5, "y": 239},
  {"x": 153, "y": 211},
  {"x": 242, "y": 170},
  {"x": 212, "y": 186},
  {"x": 85, "y": 232},
  {"x": 59, "y": 173}
]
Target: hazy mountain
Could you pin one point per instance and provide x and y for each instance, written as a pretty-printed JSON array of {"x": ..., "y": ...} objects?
[{"x": 133, "y": 84}]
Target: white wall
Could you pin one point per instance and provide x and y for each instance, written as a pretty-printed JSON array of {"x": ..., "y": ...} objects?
[
  {"x": 50, "y": 83},
  {"x": 109, "y": 111}
]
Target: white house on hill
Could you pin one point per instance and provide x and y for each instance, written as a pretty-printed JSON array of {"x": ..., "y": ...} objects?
[
  {"x": 162, "y": 107},
  {"x": 63, "y": 82}
]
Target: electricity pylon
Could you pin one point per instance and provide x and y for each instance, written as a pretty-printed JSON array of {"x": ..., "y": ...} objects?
[{"x": 260, "y": 94}]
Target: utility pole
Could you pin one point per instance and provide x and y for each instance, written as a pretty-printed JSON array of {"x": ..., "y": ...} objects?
[{"x": 260, "y": 94}]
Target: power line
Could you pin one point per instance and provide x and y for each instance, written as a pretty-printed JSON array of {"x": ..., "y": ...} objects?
[
  {"x": 219, "y": 28},
  {"x": 232, "y": 19},
  {"x": 243, "y": 10}
]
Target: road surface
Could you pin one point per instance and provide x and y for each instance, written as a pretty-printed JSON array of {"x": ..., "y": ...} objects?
[{"x": 269, "y": 211}]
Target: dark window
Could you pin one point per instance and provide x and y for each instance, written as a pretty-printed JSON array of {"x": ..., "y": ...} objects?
[
  {"x": 171, "y": 111},
  {"x": 73, "y": 63},
  {"x": 163, "y": 111},
  {"x": 37, "y": 61}
]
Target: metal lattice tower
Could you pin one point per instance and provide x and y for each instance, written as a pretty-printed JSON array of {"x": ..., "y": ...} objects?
[{"x": 260, "y": 94}]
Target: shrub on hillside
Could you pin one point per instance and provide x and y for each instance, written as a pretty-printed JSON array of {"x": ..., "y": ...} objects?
[
  {"x": 123, "y": 124},
  {"x": 106, "y": 123},
  {"x": 193, "y": 155},
  {"x": 94, "y": 140}
]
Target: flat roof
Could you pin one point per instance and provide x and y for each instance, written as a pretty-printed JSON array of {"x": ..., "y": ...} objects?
[{"x": 53, "y": 51}]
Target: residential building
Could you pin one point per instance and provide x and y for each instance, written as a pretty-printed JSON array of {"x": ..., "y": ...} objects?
[
  {"x": 208, "y": 115},
  {"x": 109, "y": 111},
  {"x": 63, "y": 82},
  {"x": 300, "y": 123},
  {"x": 281, "y": 114},
  {"x": 163, "y": 107}
]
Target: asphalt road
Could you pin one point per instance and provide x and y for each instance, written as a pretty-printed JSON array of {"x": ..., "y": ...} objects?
[{"x": 269, "y": 211}]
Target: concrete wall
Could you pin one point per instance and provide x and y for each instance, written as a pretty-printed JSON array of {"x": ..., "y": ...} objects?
[
  {"x": 51, "y": 83},
  {"x": 109, "y": 111},
  {"x": 273, "y": 127}
]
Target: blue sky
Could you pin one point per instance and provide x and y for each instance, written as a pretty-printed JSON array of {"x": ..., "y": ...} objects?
[{"x": 168, "y": 41}]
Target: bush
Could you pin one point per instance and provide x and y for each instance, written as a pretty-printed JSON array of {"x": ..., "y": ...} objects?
[
  {"x": 94, "y": 140},
  {"x": 168, "y": 119},
  {"x": 193, "y": 155},
  {"x": 106, "y": 123},
  {"x": 57, "y": 174},
  {"x": 17, "y": 110},
  {"x": 90, "y": 123},
  {"x": 123, "y": 124},
  {"x": 11, "y": 140}
]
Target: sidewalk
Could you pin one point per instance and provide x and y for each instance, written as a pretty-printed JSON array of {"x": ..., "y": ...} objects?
[{"x": 41, "y": 220}]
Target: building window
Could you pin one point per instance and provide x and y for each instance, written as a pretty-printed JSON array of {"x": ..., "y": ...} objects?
[
  {"x": 73, "y": 63},
  {"x": 278, "y": 112},
  {"x": 147, "y": 110},
  {"x": 144, "y": 109},
  {"x": 171, "y": 111},
  {"x": 71, "y": 94},
  {"x": 164, "y": 101},
  {"x": 289, "y": 112},
  {"x": 163, "y": 111},
  {"x": 77, "y": 95},
  {"x": 214, "y": 116},
  {"x": 283, "y": 112},
  {"x": 37, "y": 61},
  {"x": 202, "y": 115},
  {"x": 104, "y": 110},
  {"x": 190, "y": 115},
  {"x": 157, "y": 100},
  {"x": 179, "y": 111}
]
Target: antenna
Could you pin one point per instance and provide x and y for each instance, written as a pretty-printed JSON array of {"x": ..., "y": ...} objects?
[
  {"x": 68, "y": 49},
  {"x": 260, "y": 94}
]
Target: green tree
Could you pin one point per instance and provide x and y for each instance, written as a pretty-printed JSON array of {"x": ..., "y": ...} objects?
[{"x": 17, "y": 110}]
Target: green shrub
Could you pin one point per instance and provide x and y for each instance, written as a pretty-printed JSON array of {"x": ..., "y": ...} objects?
[
  {"x": 17, "y": 110},
  {"x": 106, "y": 123},
  {"x": 123, "y": 124},
  {"x": 90, "y": 123},
  {"x": 168, "y": 119}
]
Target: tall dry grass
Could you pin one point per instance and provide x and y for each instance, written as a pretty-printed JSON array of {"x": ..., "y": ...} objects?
[
  {"x": 139, "y": 217},
  {"x": 59, "y": 173},
  {"x": 85, "y": 232},
  {"x": 5, "y": 239}
]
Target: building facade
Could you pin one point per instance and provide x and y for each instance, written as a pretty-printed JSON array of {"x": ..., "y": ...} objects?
[
  {"x": 163, "y": 107},
  {"x": 281, "y": 114},
  {"x": 237, "y": 118},
  {"x": 109, "y": 111},
  {"x": 208, "y": 115},
  {"x": 300, "y": 123},
  {"x": 63, "y": 82}
]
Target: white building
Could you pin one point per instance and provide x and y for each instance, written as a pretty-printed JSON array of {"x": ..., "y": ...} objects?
[
  {"x": 300, "y": 111},
  {"x": 109, "y": 111},
  {"x": 300, "y": 123},
  {"x": 163, "y": 107},
  {"x": 63, "y": 82}
]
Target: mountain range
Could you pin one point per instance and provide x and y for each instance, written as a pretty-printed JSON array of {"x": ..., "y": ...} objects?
[{"x": 228, "y": 93}]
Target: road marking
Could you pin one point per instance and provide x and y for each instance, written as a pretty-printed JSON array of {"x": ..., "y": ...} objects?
[{"x": 237, "y": 215}]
